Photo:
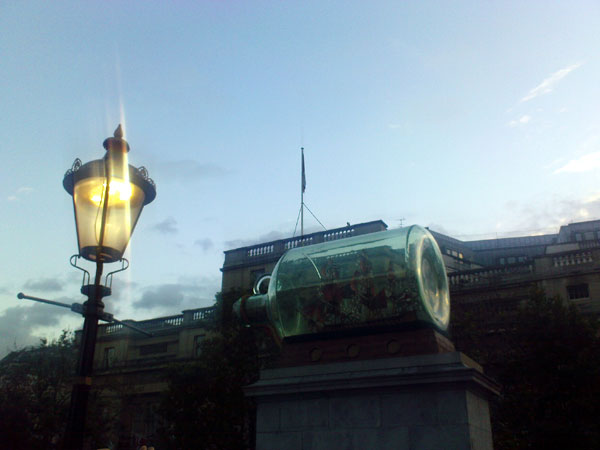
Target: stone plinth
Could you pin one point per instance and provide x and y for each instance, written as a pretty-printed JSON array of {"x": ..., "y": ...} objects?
[
  {"x": 364, "y": 346},
  {"x": 435, "y": 401}
]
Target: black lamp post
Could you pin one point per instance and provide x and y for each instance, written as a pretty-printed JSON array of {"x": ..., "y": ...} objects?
[{"x": 108, "y": 198}]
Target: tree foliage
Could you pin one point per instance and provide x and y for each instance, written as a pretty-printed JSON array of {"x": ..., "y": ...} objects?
[
  {"x": 546, "y": 356},
  {"x": 204, "y": 406},
  {"x": 35, "y": 395},
  {"x": 35, "y": 391}
]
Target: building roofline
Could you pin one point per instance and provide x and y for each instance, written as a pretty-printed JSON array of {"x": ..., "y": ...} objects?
[{"x": 308, "y": 236}]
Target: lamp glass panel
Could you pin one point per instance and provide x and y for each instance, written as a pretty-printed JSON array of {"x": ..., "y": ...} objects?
[{"x": 125, "y": 202}]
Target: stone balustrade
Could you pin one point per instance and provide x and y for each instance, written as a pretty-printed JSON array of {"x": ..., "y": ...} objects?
[
  {"x": 192, "y": 317},
  {"x": 487, "y": 275}
]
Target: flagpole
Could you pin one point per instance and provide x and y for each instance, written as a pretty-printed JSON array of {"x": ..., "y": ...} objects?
[{"x": 302, "y": 187}]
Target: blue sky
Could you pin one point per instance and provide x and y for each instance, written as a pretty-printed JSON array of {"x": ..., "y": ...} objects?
[{"x": 475, "y": 118}]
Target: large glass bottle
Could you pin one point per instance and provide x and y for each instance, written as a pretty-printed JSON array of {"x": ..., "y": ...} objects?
[{"x": 379, "y": 279}]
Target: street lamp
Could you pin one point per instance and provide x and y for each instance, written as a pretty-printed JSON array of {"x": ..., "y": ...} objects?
[{"x": 108, "y": 198}]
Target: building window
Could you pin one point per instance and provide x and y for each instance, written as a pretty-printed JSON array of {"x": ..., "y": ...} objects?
[
  {"x": 151, "y": 349},
  {"x": 512, "y": 260},
  {"x": 109, "y": 357},
  {"x": 502, "y": 261},
  {"x": 578, "y": 291},
  {"x": 578, "y": 237},
  {"x": 198, "y": 344}
]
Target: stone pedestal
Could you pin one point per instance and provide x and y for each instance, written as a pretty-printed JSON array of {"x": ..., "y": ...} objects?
[{"x": 434, "y": 401}]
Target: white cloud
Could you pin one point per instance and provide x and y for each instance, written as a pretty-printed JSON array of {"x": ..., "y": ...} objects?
[
  {"x": 167, "y": 226},
  {"x": 205, "y": 244},
  {"x": 592, "y": 142},
  {"x": 21, "y": 190},
  {"x": 585, "y": 163},
  {"x": 523, "y": 120},
  {"x": 546, "y": 213},
  {"x": 186, "y": 293},
  {"x": 18, "y": 324},
  {"x": 592, "y": 198},
  {"x": 44, "y": 285},
  {"x": 548, "y": 84},
  {"x": 554, "y": 163}
]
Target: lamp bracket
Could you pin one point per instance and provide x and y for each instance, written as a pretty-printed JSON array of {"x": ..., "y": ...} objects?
[
  {"x": 86, "y": 274},
  {"x": 109, "y": 276},
  {"x": 107, "y": 280}
]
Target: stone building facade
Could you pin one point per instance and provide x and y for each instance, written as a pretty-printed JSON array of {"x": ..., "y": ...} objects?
[
  {"x": 501, "y": 273},
  {"x": 129, "y": 367}
]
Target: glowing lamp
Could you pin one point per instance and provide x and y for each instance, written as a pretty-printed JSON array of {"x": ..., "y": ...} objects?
[{"x": 108, "y": 198}]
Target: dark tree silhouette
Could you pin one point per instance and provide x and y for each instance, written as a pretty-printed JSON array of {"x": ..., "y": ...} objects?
[
  {"x": 546, "y": 355},
  {"x": 205, "y": 406},
  {"x": 35, "y": 391}
]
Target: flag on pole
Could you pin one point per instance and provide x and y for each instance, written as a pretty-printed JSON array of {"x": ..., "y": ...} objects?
[{"x": 303, "y": 173}]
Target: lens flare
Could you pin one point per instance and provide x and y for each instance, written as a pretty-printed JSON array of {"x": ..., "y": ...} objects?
[{"x": 119, "y": 190}]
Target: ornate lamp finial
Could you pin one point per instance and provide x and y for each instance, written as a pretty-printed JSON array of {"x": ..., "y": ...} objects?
[
  {"x": 116, "y": 141},
  {"x": 118, "y": 132}
]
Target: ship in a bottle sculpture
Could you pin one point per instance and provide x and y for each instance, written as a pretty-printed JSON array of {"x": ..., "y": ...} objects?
[{"x": 388, "y": 280}]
